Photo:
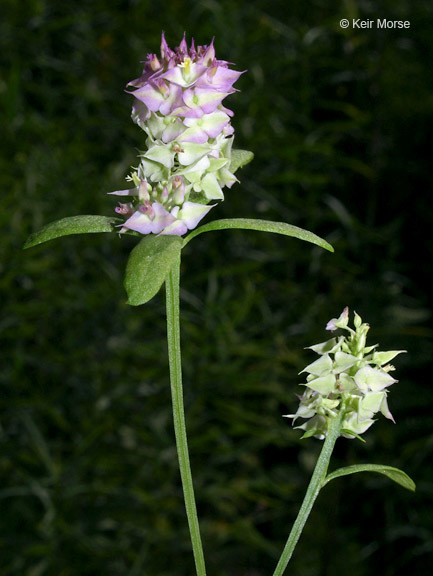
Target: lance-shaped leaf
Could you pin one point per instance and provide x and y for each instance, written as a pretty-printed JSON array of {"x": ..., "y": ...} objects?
[
  {"x": 148, "y": 266},
  {"x": 261, "y": 226},
  {"x": 73, "y": 225},
  {"x": 394, "y": 474},
  {"x": 240, "y": 158}
]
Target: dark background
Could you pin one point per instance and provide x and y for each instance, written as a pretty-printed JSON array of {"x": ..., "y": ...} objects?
[{"x": 340, "y": 122}]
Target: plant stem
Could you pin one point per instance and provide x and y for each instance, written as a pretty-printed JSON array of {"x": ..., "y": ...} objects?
[
  {"x": 174, "y": 355},
  {"x": 313, "y": 490}
]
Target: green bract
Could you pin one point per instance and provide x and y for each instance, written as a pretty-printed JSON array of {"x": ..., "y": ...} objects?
[{"x": 347, "y": 377}]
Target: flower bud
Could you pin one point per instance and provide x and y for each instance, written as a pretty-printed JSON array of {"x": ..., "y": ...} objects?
[{"x": 340, "y": 322}]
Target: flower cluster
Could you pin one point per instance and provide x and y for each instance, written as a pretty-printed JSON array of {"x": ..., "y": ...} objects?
[
  {"x": 178, "y": 103},
  {"x": 350, "y": 377}
]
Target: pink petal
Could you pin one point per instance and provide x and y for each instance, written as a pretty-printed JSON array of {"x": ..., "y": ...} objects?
[{"x": 142, "y": 223}]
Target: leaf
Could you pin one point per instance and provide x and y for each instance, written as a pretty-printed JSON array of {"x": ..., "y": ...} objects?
[
  {"x": 239, "y": 159},
  {"x": 309, "y": 433},
  {"x": 393, "y": 473},
  {"x": 148, "y": 266},
  {"x": 261, "y": 226},
  {"x": 351, "y": 433},
  {"x": 72, "y": 225}
]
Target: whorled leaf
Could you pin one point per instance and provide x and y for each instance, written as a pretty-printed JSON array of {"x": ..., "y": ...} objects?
[
  {"x": 85, "y": 224},
  {"x": 148, "y": 266},
  {"x": 261, "y": 226},
  {"x": 240, "y": 158},
  {"x": 394, "y": 474}
]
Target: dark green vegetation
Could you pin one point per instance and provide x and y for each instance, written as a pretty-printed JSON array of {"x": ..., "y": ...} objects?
[{"x": 340, "y": 123}]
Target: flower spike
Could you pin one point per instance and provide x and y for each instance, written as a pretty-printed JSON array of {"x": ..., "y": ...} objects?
[
  {"x": 347, "y": 377},
  {"x": 186, "y": 164}
]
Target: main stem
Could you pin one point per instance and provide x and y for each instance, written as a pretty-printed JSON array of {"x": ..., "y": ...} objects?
[
  {"x": 313, "y": 490},
  {"x": 175, "y": 361}
]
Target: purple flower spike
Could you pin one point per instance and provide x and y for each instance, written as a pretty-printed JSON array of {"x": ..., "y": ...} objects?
[{"x": 186, "y": 163}]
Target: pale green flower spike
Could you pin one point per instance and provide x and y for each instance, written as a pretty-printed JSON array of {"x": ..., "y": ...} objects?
[{"x": 348, "y": 377}]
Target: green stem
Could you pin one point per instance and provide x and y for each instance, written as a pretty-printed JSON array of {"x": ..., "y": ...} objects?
[
  {"x": 313, "y": 490},
  {"x": 174, "y": 355}
]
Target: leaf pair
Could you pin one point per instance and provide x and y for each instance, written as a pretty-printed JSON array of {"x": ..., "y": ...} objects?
[{"x": 151, "y": 260}]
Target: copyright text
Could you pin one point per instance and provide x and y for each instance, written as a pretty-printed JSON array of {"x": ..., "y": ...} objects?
[{"x": 379, "y": 23}]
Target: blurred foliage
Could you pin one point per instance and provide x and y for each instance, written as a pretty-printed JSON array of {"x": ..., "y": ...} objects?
[{"x": 340, "y": 122}]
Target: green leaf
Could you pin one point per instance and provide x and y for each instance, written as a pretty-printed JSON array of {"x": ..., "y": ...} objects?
[
  {"x": 310, "y": 433},
  {"x": 148, "y": 266},
  {"x": 72, "y": 225},
  {"x": 393, "y": 473},
  {"x": 352, "y": 433},
  {"x": 261, "y": 226},
  {"x": 240, "y": 158}
]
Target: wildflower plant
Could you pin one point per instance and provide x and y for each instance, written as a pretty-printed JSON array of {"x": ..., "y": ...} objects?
[
  {"x": 345, "y": 388},
  {"x": 185, "y": 167}
]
